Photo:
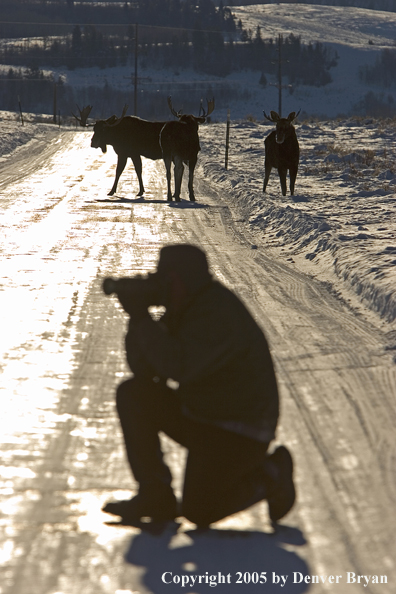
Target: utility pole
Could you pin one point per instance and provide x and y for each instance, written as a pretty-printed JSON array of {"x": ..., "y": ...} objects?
[
  {"x": 134, "y": 77},
  {"x": 136, "y": 71},
  {"x": 279, "y": 85},
  {"x": 280, "y": 40}
]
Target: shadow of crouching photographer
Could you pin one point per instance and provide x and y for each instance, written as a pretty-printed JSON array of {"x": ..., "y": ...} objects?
[
  {"x": 226, "y": 406},
  {"x": 229, "y": 560}
]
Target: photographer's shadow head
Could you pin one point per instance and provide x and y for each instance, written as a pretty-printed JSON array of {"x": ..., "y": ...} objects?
[{"x": 233, "y": 561}]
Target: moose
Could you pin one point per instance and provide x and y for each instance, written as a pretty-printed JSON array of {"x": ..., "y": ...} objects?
[
  {"x": 132, "y": 137},
  {"x": 179, "y": 142},
  {"x": 282, "y": 150},
  {"x": 84, "y": 113}
]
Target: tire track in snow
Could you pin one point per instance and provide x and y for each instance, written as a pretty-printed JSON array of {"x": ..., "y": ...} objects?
[{"x": 335, "y": 369}]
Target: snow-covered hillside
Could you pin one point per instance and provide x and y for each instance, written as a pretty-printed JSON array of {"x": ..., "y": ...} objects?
[
  {"x": 356, "y": 34},
  {"x": 354, "y": 27},
  {"x": 377, "y": 4}
]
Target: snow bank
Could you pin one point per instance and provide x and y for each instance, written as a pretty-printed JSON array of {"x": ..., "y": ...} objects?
[
  {"x": 14, "y": 135},
  {"x": 342, "y": 220}
]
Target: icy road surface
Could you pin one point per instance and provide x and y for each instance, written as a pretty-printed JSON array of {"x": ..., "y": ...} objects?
[{"x": 62, "y": 357}]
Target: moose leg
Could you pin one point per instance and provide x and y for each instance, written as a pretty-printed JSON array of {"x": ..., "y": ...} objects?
[
  {"x": 282, "y": 176},
  {"x": 191, "y": 167},
  {"x": 293, "y": 175},
  {"x": 137, "y": 161},
  {"x": 120, "y": 168},
  {"x": 168, "y": 164},
  {"x": 179, "y": 169},
  {"x": 268, "y": 169}
]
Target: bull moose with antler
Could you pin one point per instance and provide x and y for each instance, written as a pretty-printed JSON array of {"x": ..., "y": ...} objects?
[
  {"x": 179, "y": 141},
  {"x": 282, "y": 150}
]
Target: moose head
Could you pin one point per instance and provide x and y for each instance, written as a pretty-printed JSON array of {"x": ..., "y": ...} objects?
[
  {"x": 101, "y": 128},
  {"x": 283, "y": 125},
  {"x": 200, "y": 119}
]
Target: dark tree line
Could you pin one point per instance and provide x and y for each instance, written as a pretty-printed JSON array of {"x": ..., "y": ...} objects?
[
  {"x": 37, "y": 91},
  {"x": 205, "y": 51},
  {"x": 307, "y": 64},
  {"x": 30, "y": 85},
  {"x": 383, "y": 72},
  {"x": 161, "y": 13},
  {"x": 377, "y": 105}
]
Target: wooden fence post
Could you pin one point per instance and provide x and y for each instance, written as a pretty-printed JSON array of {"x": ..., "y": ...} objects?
[
  {"x": 20, "y": 110},
  {"x": 55, "y": 103},
  {"x": 227, "y": 139}
]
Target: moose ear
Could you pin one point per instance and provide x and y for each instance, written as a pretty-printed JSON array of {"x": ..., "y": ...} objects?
[
  {"x": 291, "y": 116},
  {"x": 111, "y": 120},
  {"x": 274, "y": 116}
]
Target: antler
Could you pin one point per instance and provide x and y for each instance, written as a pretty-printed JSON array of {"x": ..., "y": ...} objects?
[
  {"x": 274, "y": 116},
  {"x": 84, "y": 113},
  {"x": 211, "y": 106},
  {"x": 124, "y": 110},
  {"x": 112, "y": 120},
  {"x": 177, "y": 114}
]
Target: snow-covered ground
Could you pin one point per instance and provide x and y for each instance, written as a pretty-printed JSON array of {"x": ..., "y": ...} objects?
[{"x": 341, "y": 224}]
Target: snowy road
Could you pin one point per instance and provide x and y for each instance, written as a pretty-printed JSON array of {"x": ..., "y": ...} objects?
[{"x": 62, "y": 356}]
